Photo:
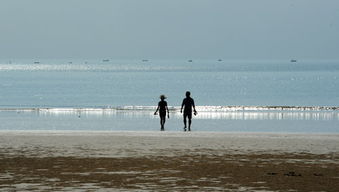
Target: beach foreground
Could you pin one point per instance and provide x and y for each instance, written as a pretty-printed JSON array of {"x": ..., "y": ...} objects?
[{"x": 168, "y": 161}]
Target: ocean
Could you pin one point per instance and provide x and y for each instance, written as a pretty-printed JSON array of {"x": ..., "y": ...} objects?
[{"x": 104, "y": 94}]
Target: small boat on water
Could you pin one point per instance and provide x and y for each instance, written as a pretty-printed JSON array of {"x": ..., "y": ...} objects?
[
  {"x": 293, "y": 60},
  {"x": 36, "y": 62},
  {"x": 105, "y": 60},
  {"x": 145, "y": 60},
  {"x": 190, "y": 60}
]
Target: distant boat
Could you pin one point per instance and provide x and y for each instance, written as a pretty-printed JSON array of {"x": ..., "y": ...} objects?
[
  {"x": 219, "y": 59},
  {"x": 70, "y": 62},
  {"x": 105, "y": 60},
  {"x": 36, "y": 62},
  {"x": 293, "y": 60},
  {"x": 190, "y": 60},
  {"x": 145, "y": 60}
]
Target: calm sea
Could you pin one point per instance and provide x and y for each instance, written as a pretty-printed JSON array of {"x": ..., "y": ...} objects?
[
  {"x": 57, "y": 83},
  {"x": 113, "y": 84}
]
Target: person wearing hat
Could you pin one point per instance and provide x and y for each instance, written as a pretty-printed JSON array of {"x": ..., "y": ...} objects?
[{"x": 162, "y": 108}]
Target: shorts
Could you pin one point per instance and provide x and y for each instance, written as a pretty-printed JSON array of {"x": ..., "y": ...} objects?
[
  {"x": 188, "y": 114},
  {"x": 162, "y": 114}
]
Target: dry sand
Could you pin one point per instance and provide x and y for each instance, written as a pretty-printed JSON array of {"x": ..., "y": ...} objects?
[{"x": 167, "y": 161}]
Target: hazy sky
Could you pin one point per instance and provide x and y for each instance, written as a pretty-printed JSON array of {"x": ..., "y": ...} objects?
[{"x": 170, "y": 29}]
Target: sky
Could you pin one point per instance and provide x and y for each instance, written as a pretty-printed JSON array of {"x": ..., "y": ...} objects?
[{"x": 170, "y": 29}]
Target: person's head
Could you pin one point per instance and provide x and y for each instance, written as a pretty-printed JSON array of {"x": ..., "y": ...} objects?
[
  {"x": 162, "y": 97},
  {"x": 188, "y": 94}
]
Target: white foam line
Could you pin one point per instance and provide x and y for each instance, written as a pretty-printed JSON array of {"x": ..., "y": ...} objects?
[{"x": 177, "y": 108}]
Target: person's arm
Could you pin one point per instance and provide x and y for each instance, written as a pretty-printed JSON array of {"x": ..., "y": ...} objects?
[
  {"x": 167, "y": 111},
  {"x": 182, "y": 105},
  {"x": 195, "y": 111},
  {"x": 156, "y": 110}
]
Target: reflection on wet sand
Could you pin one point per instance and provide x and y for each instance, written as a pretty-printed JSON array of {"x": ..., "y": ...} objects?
[
  {"x": 277, "y": 115},
  {"x": 143, "y": 119}
]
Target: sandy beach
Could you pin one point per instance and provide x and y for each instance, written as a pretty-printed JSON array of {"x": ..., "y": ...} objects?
[
  {"x": 169, "y": 96},
  {"x": 167, "y": 161}
]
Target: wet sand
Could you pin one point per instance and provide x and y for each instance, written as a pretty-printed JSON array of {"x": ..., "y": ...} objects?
[{"x": 154, "y": 161}]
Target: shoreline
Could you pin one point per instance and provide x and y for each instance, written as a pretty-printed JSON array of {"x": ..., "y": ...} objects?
[
  {"x": 164, "y": 133},
  {"x": 170, "y": 133}
]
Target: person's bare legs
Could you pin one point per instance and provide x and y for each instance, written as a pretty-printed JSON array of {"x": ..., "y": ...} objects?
[
  {"x": 189, "y": 124},
  {"x": 185, "y": 122},
  {"x": 162, "y": 123}
]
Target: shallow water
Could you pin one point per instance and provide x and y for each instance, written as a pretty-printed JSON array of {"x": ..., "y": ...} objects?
[{"x": 129, "y": 120}]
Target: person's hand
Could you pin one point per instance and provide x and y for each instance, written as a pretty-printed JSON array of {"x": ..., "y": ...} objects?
[
  {"x": 195, "y": 112},
  {"x": 168, "y": 116},
  {"x": 155, "y": 113},
  {"x": 180, "y": 110}
]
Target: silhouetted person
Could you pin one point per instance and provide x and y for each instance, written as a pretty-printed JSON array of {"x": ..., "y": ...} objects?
[
  {"x": 188, "y": 103},
  {"x": 162, "y": 108}
]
